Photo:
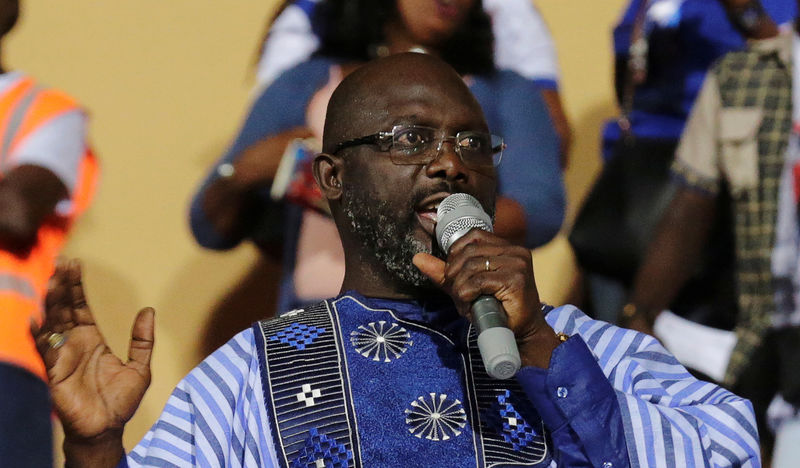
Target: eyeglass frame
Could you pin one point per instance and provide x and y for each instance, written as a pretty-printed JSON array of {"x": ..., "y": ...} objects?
[{"x": 384, "y": 140}]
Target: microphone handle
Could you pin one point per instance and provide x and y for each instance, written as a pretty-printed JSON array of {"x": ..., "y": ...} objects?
[{"x": 496, "y": 341}]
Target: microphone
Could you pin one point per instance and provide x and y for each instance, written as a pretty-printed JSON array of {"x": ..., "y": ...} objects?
[{"x": 457, "y": 215}]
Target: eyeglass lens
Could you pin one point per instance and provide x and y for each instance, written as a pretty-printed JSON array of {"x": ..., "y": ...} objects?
[{"x": 421, "y": 145}]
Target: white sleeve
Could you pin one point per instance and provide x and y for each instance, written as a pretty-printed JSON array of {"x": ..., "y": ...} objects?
[
  {"x": 289, "y": 42},
  {"x": 522, "y": 41},
  {"x": 58, "y": 145}
]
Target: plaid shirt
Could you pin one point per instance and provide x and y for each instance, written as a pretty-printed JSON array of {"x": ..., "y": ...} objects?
[{"x": 736, "y": 140}]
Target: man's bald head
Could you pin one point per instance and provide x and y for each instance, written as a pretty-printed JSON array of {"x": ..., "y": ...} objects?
[
  {"x": 365, "y": 98},
  {"x": 381, "y": 204}
]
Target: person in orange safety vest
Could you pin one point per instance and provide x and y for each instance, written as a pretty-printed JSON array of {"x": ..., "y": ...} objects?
[{"x": 47, "y": 176}]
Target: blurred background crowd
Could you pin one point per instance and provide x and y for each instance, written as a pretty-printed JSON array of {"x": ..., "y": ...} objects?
[{"x": 653, "y": 167}]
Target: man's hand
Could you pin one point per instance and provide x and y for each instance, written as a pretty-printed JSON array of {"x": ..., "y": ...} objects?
[
  {"x": 93, "y": 392},
  {"x": 509, "y": 278}
]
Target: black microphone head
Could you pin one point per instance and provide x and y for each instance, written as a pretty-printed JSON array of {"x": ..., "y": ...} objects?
[{"x": 457, "y": 215}]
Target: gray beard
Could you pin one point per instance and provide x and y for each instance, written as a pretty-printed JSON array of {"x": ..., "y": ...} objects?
[{"x": 386, "y": 237}]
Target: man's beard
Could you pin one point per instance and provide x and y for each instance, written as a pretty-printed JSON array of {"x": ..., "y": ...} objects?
[{"x": 387, "y": 237}]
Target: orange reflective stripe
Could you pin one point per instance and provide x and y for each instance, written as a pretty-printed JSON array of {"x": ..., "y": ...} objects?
[
  {"x": 15, "y": 122},
  {"x": 11, "y": 283},
  {"x": 47, "y": 105},
  {"x": 8, "y": 101}
]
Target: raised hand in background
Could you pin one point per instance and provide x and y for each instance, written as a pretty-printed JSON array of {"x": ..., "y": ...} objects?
[{"x": 94, "y": 393}]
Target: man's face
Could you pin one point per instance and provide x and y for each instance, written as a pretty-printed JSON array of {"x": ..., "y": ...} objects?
[{"x": 390, "y": 208}]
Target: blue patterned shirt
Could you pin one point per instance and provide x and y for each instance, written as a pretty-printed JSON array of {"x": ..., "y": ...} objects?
[{"x": 611, "y": 397}]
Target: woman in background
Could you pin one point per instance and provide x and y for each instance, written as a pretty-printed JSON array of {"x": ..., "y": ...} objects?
[{"x": 239, "y": 201}]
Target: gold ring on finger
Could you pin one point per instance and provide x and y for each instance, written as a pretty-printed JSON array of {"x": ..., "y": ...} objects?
[
  {"x": 56, "y": 340},
  {"x": 487, "y": 265}
]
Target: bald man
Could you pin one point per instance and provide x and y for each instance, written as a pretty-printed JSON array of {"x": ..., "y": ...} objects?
[{"x": 388, "y": 372}]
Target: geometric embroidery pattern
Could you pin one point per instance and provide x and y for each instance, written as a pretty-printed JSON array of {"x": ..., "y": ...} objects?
[
  {"x": 506, "y": 420},
  {"x": 307, "y": 395},
  {"x": 436, "y": 417},
  {"x": 312, "y": 423},
  {"x": 298, "y": 335},
  {"x": 321, "y": 451},
  {"x": 506, "y": 416},
  {"x": 380, "y": 342}
]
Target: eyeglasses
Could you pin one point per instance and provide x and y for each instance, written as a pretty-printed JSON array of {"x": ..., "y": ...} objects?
[{"x": 414, "y": 144}]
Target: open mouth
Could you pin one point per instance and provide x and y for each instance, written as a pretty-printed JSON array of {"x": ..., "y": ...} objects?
[{"x": 426, "y": 211}]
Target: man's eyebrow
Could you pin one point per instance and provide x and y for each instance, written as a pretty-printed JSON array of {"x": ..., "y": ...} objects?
[
  {"x": 413, "y": 119},
  {"x": 408, "y": 118}
]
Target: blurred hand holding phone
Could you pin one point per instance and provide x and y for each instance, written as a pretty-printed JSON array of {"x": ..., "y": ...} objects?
[{"x": 294, "y": 180}]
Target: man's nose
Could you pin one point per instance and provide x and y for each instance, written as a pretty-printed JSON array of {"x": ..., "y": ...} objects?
[{"x": 447, "y": 163}]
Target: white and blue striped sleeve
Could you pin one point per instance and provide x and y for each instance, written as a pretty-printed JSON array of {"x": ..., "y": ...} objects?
[
  {"x": 670, "y": 418},
  {"x": 215, "y": 417}
]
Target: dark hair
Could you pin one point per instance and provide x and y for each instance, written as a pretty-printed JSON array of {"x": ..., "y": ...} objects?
[
  {"x": 9, "y": 14},
  {"x": 352, "y": 30}
]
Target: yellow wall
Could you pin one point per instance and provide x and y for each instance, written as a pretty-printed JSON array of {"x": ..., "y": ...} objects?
[
  {"x": 582, "y": 33},
  {"x": 167, "y": 83}
]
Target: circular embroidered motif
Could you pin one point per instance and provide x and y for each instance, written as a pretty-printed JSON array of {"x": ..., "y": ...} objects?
[
  {"x": 436, "y": 417},
  {"x": 380, "y": 341}
]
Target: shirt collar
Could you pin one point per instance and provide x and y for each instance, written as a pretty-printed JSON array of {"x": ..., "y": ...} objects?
[
  {"x": 780, "y": 44},
  {"x": 436, "y": 309}
]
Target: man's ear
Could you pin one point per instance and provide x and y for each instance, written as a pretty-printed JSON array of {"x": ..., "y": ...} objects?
[{"x": 327, "y": 173}]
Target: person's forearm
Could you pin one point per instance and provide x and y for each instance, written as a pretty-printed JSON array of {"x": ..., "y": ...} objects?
[
  {"x": 17, "y": 225},
  {"x": 227, "y": 203},
  {"x": 100, "y": 452},
  {"x": 230, "y": 201},
  {"x": 28, "y": 195},
  {"x": 678, "y": 242},
  {"x": 534, "y": 218}
]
